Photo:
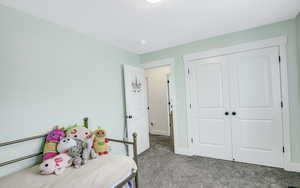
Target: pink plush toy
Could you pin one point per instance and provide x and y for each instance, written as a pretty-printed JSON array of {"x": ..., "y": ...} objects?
[
  {"x": 52, "y": 139},
  {"x": 55, "y": 135},
  {"x": 56, "y": 165}
]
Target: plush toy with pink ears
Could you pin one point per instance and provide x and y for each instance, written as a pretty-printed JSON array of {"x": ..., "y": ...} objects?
[{"x": 56, "y": 165}]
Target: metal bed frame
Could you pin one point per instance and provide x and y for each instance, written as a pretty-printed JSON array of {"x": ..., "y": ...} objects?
[{"x": 134, "y": 175}]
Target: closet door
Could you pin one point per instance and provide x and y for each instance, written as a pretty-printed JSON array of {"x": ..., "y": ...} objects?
[
  {"x": 211, "y": 129},
  {"x": 255, "y": 107}
]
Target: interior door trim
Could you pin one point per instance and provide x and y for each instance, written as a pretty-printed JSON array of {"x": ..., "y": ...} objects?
[
  {"x": 279, "y": 42},
  {"x": 169, "y": 62}
]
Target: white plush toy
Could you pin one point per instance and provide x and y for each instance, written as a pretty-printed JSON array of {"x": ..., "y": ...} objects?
[
  {"x": 65, "y": 144},
  {"x": 56, "y": 165},
  {"x": 85, "y": 135}
]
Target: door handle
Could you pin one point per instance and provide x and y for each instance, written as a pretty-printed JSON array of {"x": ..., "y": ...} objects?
[
  {"x": 129, "y": 117},
  {"x": 233, "y": 113},
  {"x": 226, "y": 113}
]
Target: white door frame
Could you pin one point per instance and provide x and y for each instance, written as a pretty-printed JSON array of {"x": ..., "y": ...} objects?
[
  {"x": 280, "y": 42},
  {"x": 167, "y": 62}
]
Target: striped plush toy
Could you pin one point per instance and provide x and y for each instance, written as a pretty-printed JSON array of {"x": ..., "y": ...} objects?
[{"x": 52, "y": 139}]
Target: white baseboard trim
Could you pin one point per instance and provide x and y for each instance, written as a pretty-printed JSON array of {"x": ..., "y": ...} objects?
[
  {"x": 159, "y": 132},
  {"x": 182, "y": 151},
  {"x": 293, "y": 167}
]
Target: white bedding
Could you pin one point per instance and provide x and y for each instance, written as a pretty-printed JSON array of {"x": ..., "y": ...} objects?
[{"x": 103, "y": 172}]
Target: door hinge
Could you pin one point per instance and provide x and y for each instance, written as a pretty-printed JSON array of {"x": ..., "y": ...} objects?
[
  {"x": 192, "y": 140},
  {"x": 283, "y": 149},
  {"x": 148, "y": 108},
  {"x": 190, "y": 105},
  {"x": 168, "y": 81},
  {"x": 281, "y": 104},
  {"x": 188, "y": 71},
  {"x": 279, "y": 58}
]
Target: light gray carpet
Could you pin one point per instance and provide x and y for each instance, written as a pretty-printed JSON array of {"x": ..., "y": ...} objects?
[{"x": 161, "y": 168}]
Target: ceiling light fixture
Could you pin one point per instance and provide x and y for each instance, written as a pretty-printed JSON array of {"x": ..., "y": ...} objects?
[
  {"x": 143, "y": 42},
  {"x": 153, "y": 1}
]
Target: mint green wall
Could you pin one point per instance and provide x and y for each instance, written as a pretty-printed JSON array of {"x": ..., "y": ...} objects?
[
  {"x": 50, "y": 75},
  {"x": 287, "y": 28}
]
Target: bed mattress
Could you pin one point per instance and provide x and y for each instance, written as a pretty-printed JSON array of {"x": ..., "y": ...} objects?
[{"x": 103, "y": 172}]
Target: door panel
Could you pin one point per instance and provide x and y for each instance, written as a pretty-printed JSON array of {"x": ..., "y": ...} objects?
[
  {"x": 254, "y": 91},
  {"x": 247, "y": 85},
  {"x": 211, "y": 126},
  {"x": 209, "y": 85},
  {"x": 209, "y": 98},
  {"x": 255, "y": 97},
  {"x": 259, "y": 129},
  {"x": 136, "y": 106}
]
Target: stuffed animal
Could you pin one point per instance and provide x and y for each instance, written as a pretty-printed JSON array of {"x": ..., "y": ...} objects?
[
  {"x": 75, "y": 149},
  {"x": 79, "y": 132},
  {"x": 65, "y": 144},
  {"x": 82, "y": 133},
  {"x": 76, "y": 153},
  {"x": 52, "y": 139},
  {"x": 55, "y": 165},
  {"x": 100, "y": 142}
]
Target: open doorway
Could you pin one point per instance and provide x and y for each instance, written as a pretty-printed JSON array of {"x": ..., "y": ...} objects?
[
  {"x": 138, "y": 90},
  {"x": 160, "y": 106}
]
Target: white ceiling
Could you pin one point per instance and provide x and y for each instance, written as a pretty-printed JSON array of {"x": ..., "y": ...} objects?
[{"x": 124, "y": 23}]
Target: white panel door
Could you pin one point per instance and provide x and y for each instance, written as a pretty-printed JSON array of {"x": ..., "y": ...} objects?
[
  {"x": 255, "y": 107},
  {"x": 208, "y": 86},
  {"x": 136, "y": 106}
]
